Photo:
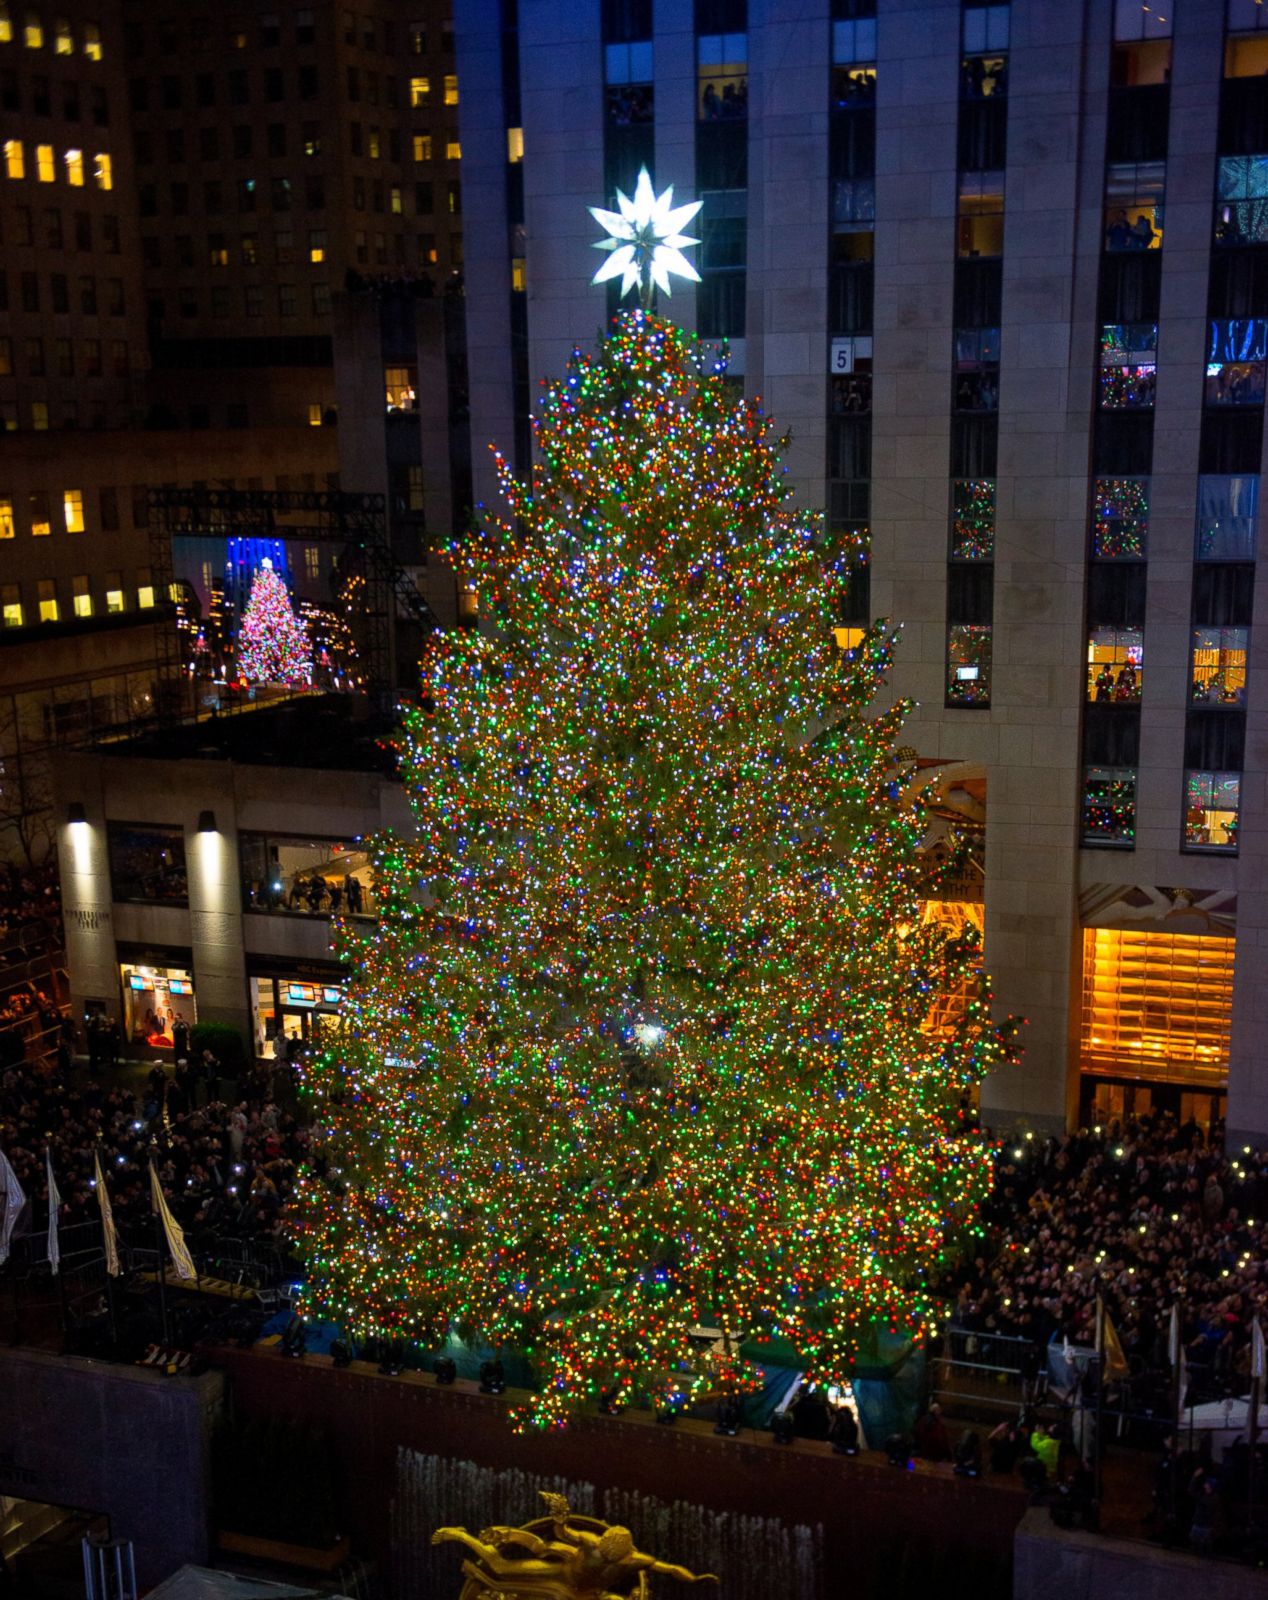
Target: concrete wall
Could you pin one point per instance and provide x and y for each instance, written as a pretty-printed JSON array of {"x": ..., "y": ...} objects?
[
  {"x": 1050, "y": 1564},
  {"x": 120, "y": 1440}
]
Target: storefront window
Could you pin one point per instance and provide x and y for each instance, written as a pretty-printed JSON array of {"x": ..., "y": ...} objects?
[
  {"x": 306, "y": 877},
  {"x": 294, "y": 1013},
  {"x": 1115, "y": 658},
  {"x": 155, "y": 999},
  {"x": 148, "y": 864},
  {"x": 1219, "y": 666},
  {"x": 1211, "y": 804}
]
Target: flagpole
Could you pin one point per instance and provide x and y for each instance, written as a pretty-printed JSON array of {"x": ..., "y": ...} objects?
[
  {"x": 1256, "y": 1389},
  {"x": 110, "y": 1251},
  {"x": 162, "y": 1270},
  {"x": 1100, "y": 1400},
  {"x": 54, "y": 1247}
]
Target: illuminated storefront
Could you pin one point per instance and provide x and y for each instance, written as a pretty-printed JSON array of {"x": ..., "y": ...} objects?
[
  {"x": 1156, "y": 1013},
  {"x": 158, "y": 992},
  {"x": 301, "y": 1003}
]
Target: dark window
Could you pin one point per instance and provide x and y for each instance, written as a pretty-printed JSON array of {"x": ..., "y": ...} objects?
[
  {"x": 1116, "y": 594},
  {"x": 308, "y": 83},
  {"x": 205, "y": 89},
  {"x": 108, "y": 511},
  {"x": 721, "y": 16},
  {"x": 974, "y": 446},
  {"x": 172, "y": 96},
  {"x": 1130, "y": 284},
  {"x": 722, "y": 155},
  {"x": 238, "y": 87},
  {"x": 1239, "y": 283},
  {"x": 274, "y": 84},
  {"x": 852, "y": 145},
  {"x": 1231, "y": 441},
  {"x": 850, "y": 297},
  {"x": 970, "y": 591},
  {"x": 1215, "y": 740},
  {"x": 720, "y": 306},
  {"x": 978, "y": 295},
  {"x": 1137, "y": 127},
  {"x": 982, "y": 135},
  {"x": 1123, "y": 442},
  {"x": 1223, "y": 594},
  {"x": 147, "y": 863},
  {"x": 850, "y": 447},
  {"x": 624, "y": 21},
  {"x": 1243, "y": 127},
  {"x": 1111, "y": 734}
]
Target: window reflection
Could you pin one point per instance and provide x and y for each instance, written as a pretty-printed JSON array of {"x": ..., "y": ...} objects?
[
  {"x": 973, "y": 519},
  {"x": 148, "y": 863},
  {"x": 969, "y": 664},
  {"x": 1129, "y": 365},
  {"x": 1227, "y": 505},
  {"x": 1120, "y": 519},
  {"x": 1241, "y": 206}
]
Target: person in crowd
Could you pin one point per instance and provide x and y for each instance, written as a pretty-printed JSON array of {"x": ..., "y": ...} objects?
[{"x": 933, "y": 1440}]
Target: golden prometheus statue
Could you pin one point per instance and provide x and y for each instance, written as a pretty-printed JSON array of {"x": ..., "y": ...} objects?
[{"x": 559, "y": 1557}]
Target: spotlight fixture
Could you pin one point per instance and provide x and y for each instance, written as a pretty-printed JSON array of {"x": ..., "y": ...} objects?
[
  {"x": 783, "y": 1428},
  {"x": 446, "y": 1369},
  {"x": 206, "y": 822},
  {"x": 492, "y": 1378},
  {"x": 75, "y": 812},
  {"x": 392, "y": 1363},
  {"x": 897, "y": 1452},
  {"x": 295, "y": 1339},
  {"x": 728, "y": 1422},
  {"x": 340, "y": 1353}
]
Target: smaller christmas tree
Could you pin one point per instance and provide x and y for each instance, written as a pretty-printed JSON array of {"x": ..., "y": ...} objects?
[{"x": 273, "y": 644}]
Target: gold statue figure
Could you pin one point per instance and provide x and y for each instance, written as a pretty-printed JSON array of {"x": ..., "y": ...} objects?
[{"x": 559, "y": 1557}]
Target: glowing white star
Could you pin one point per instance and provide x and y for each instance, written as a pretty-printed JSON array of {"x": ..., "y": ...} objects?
[{"x": 646, "y": 239}]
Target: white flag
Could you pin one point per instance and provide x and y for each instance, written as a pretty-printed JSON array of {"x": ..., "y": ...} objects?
[
  {"x": 181, "y": 1258},
  {"x": 12, "y": 1200},
  {"x": 54, "y": 1206},
  {"x": 109, "y": 1236},
  {"x": 1256, "y": 1349}
]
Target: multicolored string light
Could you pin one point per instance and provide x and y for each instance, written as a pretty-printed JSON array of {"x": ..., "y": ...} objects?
[
  {"x": 272, "y": 643},
  {"x": 639, "y": 1042}
]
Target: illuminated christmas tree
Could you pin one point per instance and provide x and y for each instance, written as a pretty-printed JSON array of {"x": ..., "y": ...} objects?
[
  {"x": 642, "y": 1039},
  {"x": 273, "y": 644}
]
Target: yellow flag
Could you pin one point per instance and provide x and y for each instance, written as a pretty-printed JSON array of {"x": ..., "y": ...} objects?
[
  {"x": 181, "y": 1258},
  {"x": 108, "y": 1234},
  {"x": 1113, "y": 1361}
]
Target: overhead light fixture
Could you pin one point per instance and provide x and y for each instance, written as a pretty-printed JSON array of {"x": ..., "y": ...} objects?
[
  {"x": 75, "y": 812},
  {"x": 206, "y": 822}
]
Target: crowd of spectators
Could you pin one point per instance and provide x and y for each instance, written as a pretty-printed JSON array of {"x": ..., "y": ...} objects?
[
  {"x": 30, "y": 928},
  {"x": 1151, "y": 1213},
  {"x": 226, "y": 1152}
]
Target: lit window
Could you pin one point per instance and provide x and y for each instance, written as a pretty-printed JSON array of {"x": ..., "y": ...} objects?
[
  {"x": 1227, "y": 507},
  {"x": 980, "y": 226},
  {"x": 75, "y": 168},
  {"x": 114, "y": 591},
  {"x": 1246, "y": 58},
  {"x": 11, "y": 605},
  {"x": 6, "y": 25},
  {"x": 6, "y": 357},
  {"x": 422, "y": 147},
  {"x": 969, "y": 664},
  {"x": 1120, "y": 519},
  {"x": 451, "y": 89},
  {"x": 312, "y": 560},
  {"x": 1236, "y": 359},
  {"x": 453, "y": 150},
  {"x": 414, "y": 489},
  {"x": 1129, "y": 365},
  {"x": 7, "y": 526},
  {"x": 1157, "y": 1005},
  {"x": 82, "y": 595},
  {"x": 92, "y": 41},
  {"x": 47, "y": 596},
  {"x": 33, "y": 33},
  {"x": 317, "y": 245},
  {"x": 41, "y": 523},
  {"x": 374, "y": 143},
  {"x": 39, "y": 416},
  {"x": 399, "y": 387},
  {"x": 45, "y": 163},
  {"x": 721, "y": 77},
  {"x": 73, "y": 510},
  {"x": 973, "y": 519},
  {"x": 14, "y": 158},
  {"x": 1115, "y": 658},
  {"x": 1219, "y": 666},
  {"x": 1241, "y": 188},
  {"x": 145, "y": 588},
  {"x": 1212, "y": 801},
  {"x": 217, "y": 250},
  {"x": 63, "y": 41},
  {"x": 314, "y": 415},
  {"x": 1109, "y": 806},
  {"x": 514, "y": 145},
  {"x": 1133, "y": 205},
  {"x": 103, "y": 171},
  {"x": 419, "y": 90},
  {"x": 519, "y": 274},
  {"x": 395, "y": 204}
]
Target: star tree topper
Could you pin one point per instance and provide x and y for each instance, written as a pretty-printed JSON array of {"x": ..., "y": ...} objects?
[{"x": 646, "y": 239}]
